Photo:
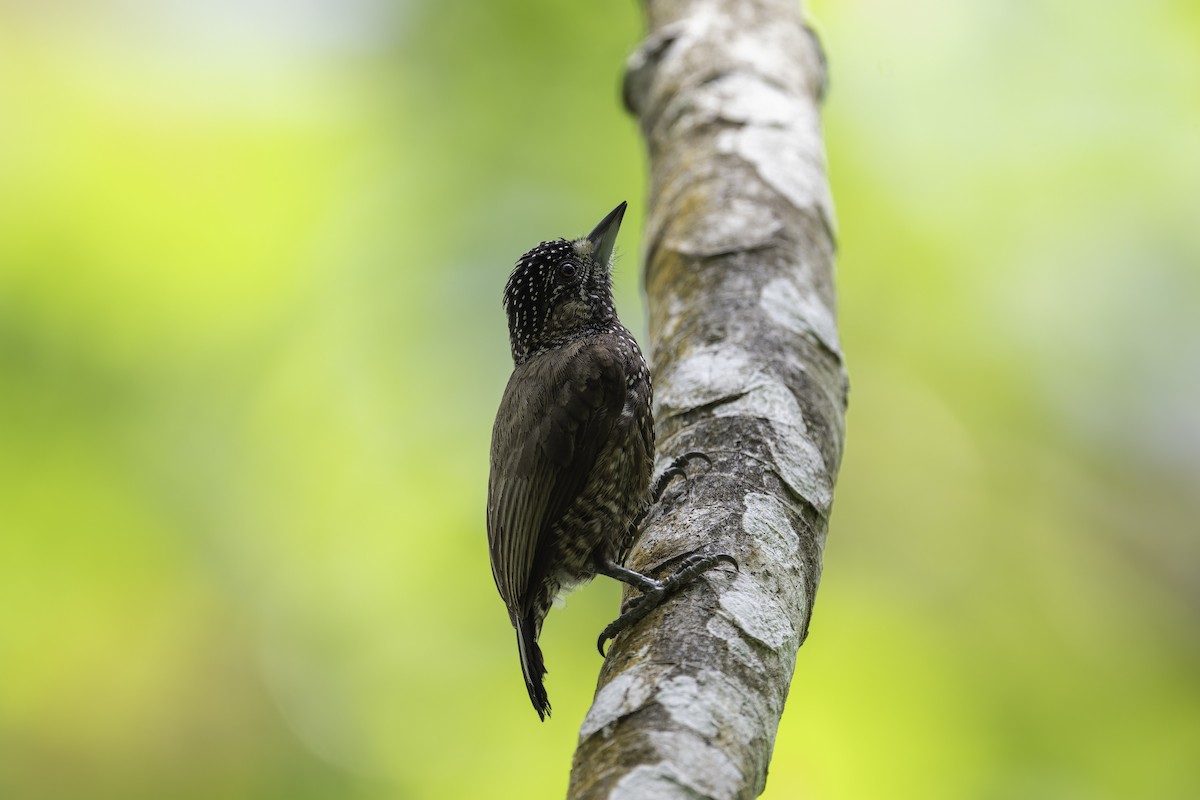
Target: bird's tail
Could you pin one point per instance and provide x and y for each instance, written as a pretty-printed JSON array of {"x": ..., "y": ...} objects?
[{"x": 532, "y": 664}]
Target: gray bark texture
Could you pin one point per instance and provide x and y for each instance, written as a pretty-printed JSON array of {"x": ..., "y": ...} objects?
[{"x": 747, "y": 370}]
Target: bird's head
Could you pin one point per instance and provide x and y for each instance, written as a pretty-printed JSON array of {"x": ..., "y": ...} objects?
[{"x": 561, "y": 290}]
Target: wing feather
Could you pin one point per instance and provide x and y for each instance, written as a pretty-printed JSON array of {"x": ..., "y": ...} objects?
[{"x": 557, "y": 412}]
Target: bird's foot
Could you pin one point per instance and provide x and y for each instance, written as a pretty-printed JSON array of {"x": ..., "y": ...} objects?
[
  {"x": 653, "y": 592},
  {"x": 676, "y": 469}
]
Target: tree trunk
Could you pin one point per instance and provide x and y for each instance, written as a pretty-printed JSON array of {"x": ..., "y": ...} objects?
[{"x": 747, "y": 370}]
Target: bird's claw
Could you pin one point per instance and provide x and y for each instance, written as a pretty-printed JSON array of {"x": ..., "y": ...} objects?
[
  {"x": 637, "y": 610},
  {"x": 676, "y": 469},
  {"x": 697, "y": 563},
  {"x": 693, "y": 566}
]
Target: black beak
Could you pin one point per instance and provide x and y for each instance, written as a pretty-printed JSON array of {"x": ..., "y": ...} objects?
[{"x": 604, "y": 236}]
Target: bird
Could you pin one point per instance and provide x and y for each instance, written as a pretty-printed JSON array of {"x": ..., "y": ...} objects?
[{"x": 572, "y": 447}]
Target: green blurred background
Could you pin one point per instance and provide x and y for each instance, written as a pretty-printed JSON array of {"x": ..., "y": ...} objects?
[{"x": 251, "y": 344}]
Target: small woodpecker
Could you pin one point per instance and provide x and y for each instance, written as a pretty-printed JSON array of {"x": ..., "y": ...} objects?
[{"x": 572, "y": 446}]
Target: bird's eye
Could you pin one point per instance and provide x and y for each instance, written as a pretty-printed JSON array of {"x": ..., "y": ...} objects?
[{"x": 567, "y": 269}]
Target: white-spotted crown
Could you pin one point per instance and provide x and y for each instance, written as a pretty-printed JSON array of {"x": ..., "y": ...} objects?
[{"x": 562, "y": 290}]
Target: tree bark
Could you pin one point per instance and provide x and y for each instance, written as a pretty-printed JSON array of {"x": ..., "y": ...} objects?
[{"x": 747, "y": 370}]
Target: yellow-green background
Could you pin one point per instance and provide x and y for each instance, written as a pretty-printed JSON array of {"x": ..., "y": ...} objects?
[{"x": 251, "y": 257}]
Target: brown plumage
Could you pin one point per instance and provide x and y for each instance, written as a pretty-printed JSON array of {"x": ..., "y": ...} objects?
[
  {"x": 573, "y": 443},
  {"x": 572, "y": 446}
]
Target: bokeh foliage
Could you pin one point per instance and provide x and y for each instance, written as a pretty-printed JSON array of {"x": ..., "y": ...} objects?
[{"x": 251, "y": 256}]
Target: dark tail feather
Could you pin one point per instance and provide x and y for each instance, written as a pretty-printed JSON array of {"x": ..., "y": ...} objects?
[{"x": 532, "y": 665}]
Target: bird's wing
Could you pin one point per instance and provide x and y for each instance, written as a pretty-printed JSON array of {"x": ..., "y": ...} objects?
[{"x": 556, "y": 414}]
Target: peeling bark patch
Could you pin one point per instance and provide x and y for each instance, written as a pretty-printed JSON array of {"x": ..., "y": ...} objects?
[
  {"x": 742, "y": 97},
  {"x": 653, "y": 782},
  {"x": 696, "y": 770},
  {"x": 620, "y": 697},
  {"x": 800, "y": 313},
  {"x": 766, "y": 521},
  {"x": 786, "y": 160},
  {"x": 686, "y": 703},
  {"x": 735, "y": 227},
  {"x": 761, "y": 618},
  {"x": 727, "y": 632},
  {"x": 801, "y": 465},
  {"x": 703, "y": 376},
  {"x": 703, "y": 768},
  {"x": 737, "y": 96}
]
